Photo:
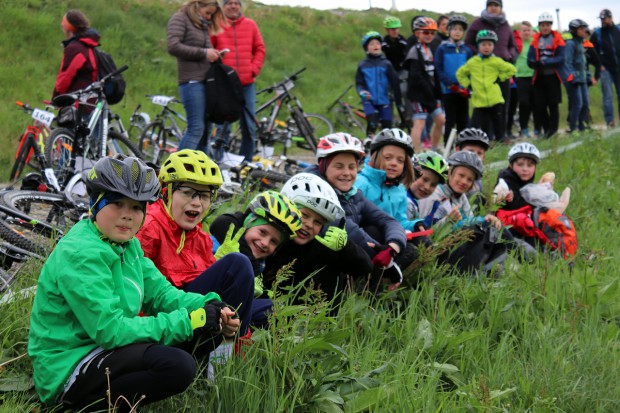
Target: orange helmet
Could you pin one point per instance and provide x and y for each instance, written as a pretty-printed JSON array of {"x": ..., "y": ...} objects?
[{"x": 424, "y": 23}]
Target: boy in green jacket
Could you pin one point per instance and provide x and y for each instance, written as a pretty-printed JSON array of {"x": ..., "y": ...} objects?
[
  {"x": 104, "y": 318},
  {"x": 484, "y": 72}
]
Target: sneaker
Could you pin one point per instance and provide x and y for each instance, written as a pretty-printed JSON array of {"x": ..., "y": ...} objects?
[
  {"x": 611, "y": 125},
  {"x": 525, "y": 133}
]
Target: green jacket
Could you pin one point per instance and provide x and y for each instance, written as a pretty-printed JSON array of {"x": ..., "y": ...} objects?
[
  {"x": 90, "y": 295},
  {"x": 482, "y": 73}
]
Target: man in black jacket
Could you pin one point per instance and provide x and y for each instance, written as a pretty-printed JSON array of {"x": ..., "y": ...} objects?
[{"x": 606, "y": 41}]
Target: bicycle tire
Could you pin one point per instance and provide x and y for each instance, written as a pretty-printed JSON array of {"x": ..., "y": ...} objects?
[
  {"x": 119, "y": 144},
  {"x": 268, "y": 179},
  {"x": 58, "y": 147},
  {"x": 45, "y": 212},
  {"x": 21, "y": 160},
  {"x": 18, "y": 239},
  {"x": 149, "y": 143}
]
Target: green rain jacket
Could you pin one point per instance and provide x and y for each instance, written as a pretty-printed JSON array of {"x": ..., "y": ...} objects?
[
  {"x": 90, "y": 295},
  {"x": 483, "y": 73}
]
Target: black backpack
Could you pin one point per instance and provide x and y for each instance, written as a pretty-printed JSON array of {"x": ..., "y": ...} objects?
[
  {"x": 114, "y": 89},
  {"x": 225, "y": 100}
]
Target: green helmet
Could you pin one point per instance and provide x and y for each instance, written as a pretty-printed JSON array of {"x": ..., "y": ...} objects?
[
  {"x": 369, "y": 36},
  {"x": 391, "y": 22},
  {"x": 434, "y": 162},
  {"x": 486, "y": 35}
]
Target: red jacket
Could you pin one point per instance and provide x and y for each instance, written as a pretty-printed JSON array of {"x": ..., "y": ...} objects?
[
  {"x": 247, "y": 49},
  {"x": 78, "y": 67},
  {"x": 160, "y": 237}
]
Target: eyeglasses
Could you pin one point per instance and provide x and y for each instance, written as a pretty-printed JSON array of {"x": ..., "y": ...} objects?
[
  {"x": 190, "y": 193},
  {"x": 427, "y": 32}
]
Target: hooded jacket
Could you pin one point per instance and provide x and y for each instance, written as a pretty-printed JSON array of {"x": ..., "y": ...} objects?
[
  {"x": 449, "y": 58},
  {"x": 575, "y": 62},
  {"x": 247, "y": 49},
  {"x": 160, "y": 237},
  {"x": 441, "y": 202},
  {"x": 391, "y": 199},
  {"x": 89, "y": 297},
  {"x": 482, "y": 73},
  {"x": 77, "y": 67},
  {"x": 556, "y": 61},
  {"x": 376, "y": 75}
]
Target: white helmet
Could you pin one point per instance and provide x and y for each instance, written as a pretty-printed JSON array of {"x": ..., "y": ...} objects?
[
  {"x": 339, "y": 142},
  {"x": 524, "y": 150},
  {"x": 545, "y": 17},
  {"x": 310, "y": 191}
]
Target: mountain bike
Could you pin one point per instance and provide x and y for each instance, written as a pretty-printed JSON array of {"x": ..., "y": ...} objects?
[
  {"x": 305, "y": 128},
  {"x": 164, "y": 133},
  {"x": 32, "y": 142},
  {"x": 347, "y": 116}
]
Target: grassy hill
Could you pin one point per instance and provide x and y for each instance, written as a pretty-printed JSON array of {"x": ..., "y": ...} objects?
[{"x": 327, "y": 43}]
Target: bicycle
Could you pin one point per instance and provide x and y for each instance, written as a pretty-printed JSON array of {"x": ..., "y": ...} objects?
[
  {"x": 348, "y": 116},
  {"x": 304, "y": 129},
  {"x": 164, "y": 133},
  {"x": 32, "y": 143}
]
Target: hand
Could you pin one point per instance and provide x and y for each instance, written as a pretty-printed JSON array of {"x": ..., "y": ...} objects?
[
  {"x": 463, "y": 93},
  {"x": 455, "y": 214},
  {"x": 212, "y": 55},
  {"x": 259, "y": 288},
  {"x": 495, "y": 221},
  {"x": 454, "y": 88},
  {"x": 231, "y": 242},
  {"x": 207, "y": 319},
  {"x": 384, "y": 257},
  {"x": 419, "y": 226},
  {"x": 230, "y": 321},
  {"x": 365, "y": 95},
  {"x": 510, "y": 196},
  {"x": 335, "y": 238}
]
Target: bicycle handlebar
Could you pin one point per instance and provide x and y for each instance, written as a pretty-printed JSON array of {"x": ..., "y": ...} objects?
[
  {"x": 114, "y": 73},
  {"x": 339, "y": 98},
  {"x": 292, "y": 77}
]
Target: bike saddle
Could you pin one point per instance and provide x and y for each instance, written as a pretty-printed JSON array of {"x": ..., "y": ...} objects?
[{"x": 65, "y": 100}]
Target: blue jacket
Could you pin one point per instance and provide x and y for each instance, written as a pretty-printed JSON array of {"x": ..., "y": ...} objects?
[
  {"x": 449, "y": 58},
  {"x": 360, "y": 213},
  {"x": 377, "y": 75},
  {"x": 391, "y": 199},
  {"x": 606, "y": 41},
  {"x": 575, "y": 61}
]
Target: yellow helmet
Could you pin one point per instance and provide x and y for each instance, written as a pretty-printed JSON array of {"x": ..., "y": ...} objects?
[
  {"x": 277, "y": 209},
  {"x": 188, "y": 165}
]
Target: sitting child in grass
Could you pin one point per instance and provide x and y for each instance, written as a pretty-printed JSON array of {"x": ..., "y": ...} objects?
[
  {"x": 474, "y": 140},
  {"x": 104, "y": 318},
  {"x": 430, "y": 169}
]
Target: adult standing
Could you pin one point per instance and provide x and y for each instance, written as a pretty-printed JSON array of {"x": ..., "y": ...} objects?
[
  {"x": 524, "y": 78},
  {"x": 77, "y": 67},
  {"x": 247, "y": 55},
  {"x": 493, "y": 18},
  {"x": 606, "y": 41},
  {"x": 188, "y": 39}
]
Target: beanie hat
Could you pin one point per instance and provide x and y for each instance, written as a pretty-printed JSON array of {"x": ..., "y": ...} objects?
[{"x": 496, "y": 2}]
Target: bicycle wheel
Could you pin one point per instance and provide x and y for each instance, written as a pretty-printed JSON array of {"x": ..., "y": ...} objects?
[
  {"x": 311, "y": 127},
  {"x": 268, "y": 179},
  {"x": 25, "y": 151},
  {"x": 118, "y": 144},
  {"x": 152, "y": 140},
  {"x": 58, "y": 147}
]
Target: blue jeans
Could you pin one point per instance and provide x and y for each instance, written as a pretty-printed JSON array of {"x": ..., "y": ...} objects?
[
  {"x": 608, "y": 79},
  {"x": 579, "y": 103},
  {"x": 194, "y": 98},
  {"x": 232, "y": 277}
]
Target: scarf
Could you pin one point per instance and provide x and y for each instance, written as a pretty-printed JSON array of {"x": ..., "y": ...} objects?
[{"x": 494, "y": 19}]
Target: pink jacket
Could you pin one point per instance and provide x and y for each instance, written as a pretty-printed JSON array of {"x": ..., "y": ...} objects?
[{"x": 247, "y": 49}]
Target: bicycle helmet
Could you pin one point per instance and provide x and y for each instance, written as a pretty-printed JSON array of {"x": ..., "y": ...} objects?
[
  {"x": 278, "y": 210},
  {"x": 545, "y": 17},
  {"x": 469, "y": 160},
  {"x": 391, "y": 22},
  {"x": 369, "y": 36},
  {"x": 457, "y": 19},
  {"x": 125, "y": 175},
  {"x": 310, "y": 191},
  {"x": 524, "y": 150},
  {"x": 424, "y": 23},
  {"x": 434, "y": 162},
  {"x": 339, "y": 142},
  {"x": 392, "y": 136},
  {"x": 473, "y": 135},
  {"x": 188, "y": 165},
  {"x": 486, "y": 35},
  {"x": 576, "y": 24}
]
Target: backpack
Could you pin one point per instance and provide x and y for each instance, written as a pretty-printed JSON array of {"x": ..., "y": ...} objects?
[
  {"x": 559, "y": 230},
  {"x": 114, "y": 89},
  {"x": 225, "y": 98}
]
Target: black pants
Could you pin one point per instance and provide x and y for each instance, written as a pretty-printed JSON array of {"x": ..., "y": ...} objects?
[
  {"x": 457, "y": 113},
  {"x": 152, "y": 370},
  {"x": 547, "y": 99},
  {"x": 490, "y": 120},
  {"x": 512, "y": 110},
  {"x": 525, "y": 93}
]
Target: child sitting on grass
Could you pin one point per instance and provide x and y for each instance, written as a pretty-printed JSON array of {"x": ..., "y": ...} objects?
[
  {"x": 104, "y": 318},
  {"x": 474, "y": 140},
  {"x": 430, "y": 169}
]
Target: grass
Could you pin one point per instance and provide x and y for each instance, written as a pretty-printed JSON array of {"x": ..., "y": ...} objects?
[{"x": 542, "y": 338}]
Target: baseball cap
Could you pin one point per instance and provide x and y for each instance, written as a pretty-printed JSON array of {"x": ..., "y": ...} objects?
[{"x": 605, "y": 13}]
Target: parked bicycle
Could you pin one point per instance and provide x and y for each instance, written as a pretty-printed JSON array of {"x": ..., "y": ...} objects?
[
  {"x": 350, "y": 118},
  {"x": 164, "y": 133},
  {"x": 300, "y": 130}
]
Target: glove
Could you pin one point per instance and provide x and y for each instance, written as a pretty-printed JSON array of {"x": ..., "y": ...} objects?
[
  {"x": 207, "y": 318},
  {"x": 259, "y": 288},
  {"x": 463, "y": 92},
  {"x": 231, "y": 242},
  {"x": 419, "y": 226},
  {"x": 455, "y": 88},
  {"x": 570, "y": 78},
  {"x": 384, "y": 257},
  {"x": 335, "y": 238},
  {"x": 365, "y": 95}
]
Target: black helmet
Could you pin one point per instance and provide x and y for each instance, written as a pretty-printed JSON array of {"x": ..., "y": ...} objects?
[
  {"x": 469, "y": 160},
  {"x": 575, "y": 24},
  {"x": 474, "y": 135},
  {"x": 125, "y": 175},
  {"x": 392, "y": 136},
  {"x": 457, "y": 19}
]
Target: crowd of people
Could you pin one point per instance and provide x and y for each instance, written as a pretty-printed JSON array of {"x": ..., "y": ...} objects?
[{"x": 134, "y": 297}]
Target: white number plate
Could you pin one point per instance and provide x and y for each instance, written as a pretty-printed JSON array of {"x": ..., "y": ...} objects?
[
  {"x": 43, "y": 116},
  {"x": 288, "y": 86},
  {"x": 161, "y": 100}
]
